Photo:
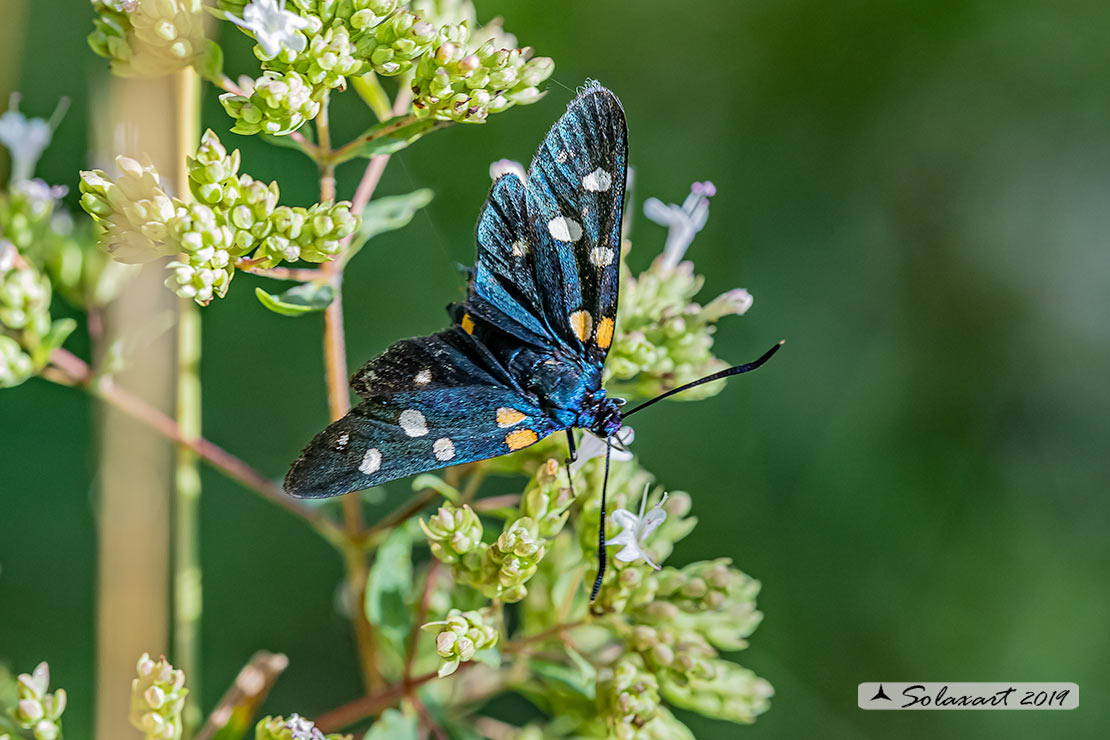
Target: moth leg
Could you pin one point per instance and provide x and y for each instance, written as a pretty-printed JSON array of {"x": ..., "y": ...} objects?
[{"x": 571, "y": 457}]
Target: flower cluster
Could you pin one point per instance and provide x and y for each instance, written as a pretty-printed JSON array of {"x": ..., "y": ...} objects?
[
  {"x": 309, "y": 47},
  {"x": 148, "y": 39},
  {"x": 37, "y": 709},
  {"x": 500, "y": 569},
  {"x": 456, "y": 84},
  {"x": 665, "y": 339},
  {"x": 157, "y": 699},
  {"x": 233, "y": 216},
  {"x": 460, "y": 637},
  {"x": 295, "y": 727},
  {"x": 28, "y": 334}
]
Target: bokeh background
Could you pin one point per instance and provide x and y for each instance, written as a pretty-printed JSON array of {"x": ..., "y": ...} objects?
[{"x": 918, "y": 196}]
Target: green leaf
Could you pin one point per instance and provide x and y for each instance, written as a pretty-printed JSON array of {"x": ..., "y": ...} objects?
[
  {"x": 210, "y": 63},
  {"x": 490, "y": 656},
  {"x": 298, "y": 300},
  {"x": 393, "y": 725},
  {"x": 53, "y": 339},
  {"x": 389, "y": 588},
  {"x": 388, "y": 137},
  {"x": 389, "y": 213},
  {"x": 563, "y": 678},
  {"x": 369, "y": 88},
  {"x": 288, "y": 142}
]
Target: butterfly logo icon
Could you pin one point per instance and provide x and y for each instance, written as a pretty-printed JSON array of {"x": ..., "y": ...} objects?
[{"x": 524, "y": 356}]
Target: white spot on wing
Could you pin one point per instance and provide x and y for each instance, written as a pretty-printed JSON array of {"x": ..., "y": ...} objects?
[
  {"x": 371, "y": 461},
  {"x": 601, "y": 256},
  {"x": 423, "y": 377},
  {"x": 597, "y": 181},
  {"x": 413, "y": 422},
  {"x": 444, "y": 449},
  {"x": 562, "y": 156},
  {"x": 520, "y": 248},
  {"x": 565, "y": 229},
  {"x": 341, "y": 442}
]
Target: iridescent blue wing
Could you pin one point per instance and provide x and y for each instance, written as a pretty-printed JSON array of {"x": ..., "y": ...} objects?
[
  {"x": 503, "y": 289},
  {"x": 430, "y": 402},
  {"x": 574, "y": 199},
  {"x": 549, "y": 250}
]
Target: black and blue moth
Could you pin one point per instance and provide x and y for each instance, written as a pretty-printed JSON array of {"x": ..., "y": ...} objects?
[{"x": 524, "y": 357}]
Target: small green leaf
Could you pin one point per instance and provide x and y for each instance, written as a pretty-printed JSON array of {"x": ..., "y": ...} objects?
[
  {"x": 288, "y": 142},
  {"x": 52, "y": 340},
  {"x": 370, "y": 89},
  {"x": 430, "y": 480},
  {"x": 298, "y": 300},
  {"x": 388, "y": 137},
  {"x": 210, "y": 63},
  {"x": 490, "y": 656},
  {"x": 389, "y": 588},
  {"x": 389, "y": 213},
  {"x": 563, "y": 678},
  {"x": 393, "y": 725}
]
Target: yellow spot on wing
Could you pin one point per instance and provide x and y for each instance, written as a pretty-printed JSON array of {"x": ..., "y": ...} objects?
[
  {"x": 506, "y": 417},
  {"x": 605, "y": 333},
  {"x": 582, "y": 324},
  {"x": 467, "y": 323},
  {"x": 521, "y": 438}
]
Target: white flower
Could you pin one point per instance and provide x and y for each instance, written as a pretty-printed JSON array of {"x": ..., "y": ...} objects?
[
  {"x": 273, "y": 26},
  {"x": 303, "y": 728},
  {"x": 636, "y": 528},
  {"x": 593, "y": 446},
  {"x": 25, "y": 139},
  {"x": 682, "y": 222}
]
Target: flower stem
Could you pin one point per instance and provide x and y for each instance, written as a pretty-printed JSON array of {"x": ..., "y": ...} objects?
[
  {"x": 339, "y": 403},
  {"x": 187, "y": 573},
  {"x": 68, "y": 369}
]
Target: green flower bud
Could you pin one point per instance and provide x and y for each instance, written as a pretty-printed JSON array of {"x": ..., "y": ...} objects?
[
  {"x": 295, "y": 727},
  {"x": 279, "y": 104},
  {"x": 206, "y": 243},
  {"x": 452, "y": 532},
  {"x": 627, "y": 696},
  {"x": 213, "y": 173},
  {"x": 24, "y": 300},
  {"x": 546, "y": 501},
  {"x": 132, "y": 211},
  {"x": 148, "y": 39},
  {"x": 460, "y": 636},
  {"x": 330, "y": 59},
  {"x": 393, "y": 45},
  {"x": 452, "y": 84},
  {"x": 15, "y": 365},
  {"x": 157, "y": 699},
  {"x": 724, "y": 691},
  {"x": 36, "y": 709}
]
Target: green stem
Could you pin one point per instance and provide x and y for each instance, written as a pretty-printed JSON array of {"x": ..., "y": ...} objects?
[
  {"x": 339, "y": 403},
  {"x": 187, "y": 576}
]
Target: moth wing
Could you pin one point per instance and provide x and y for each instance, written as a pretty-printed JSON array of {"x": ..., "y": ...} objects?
[
  {"x": 429, "y": 404},
  {"x": 574, "y": 200}
]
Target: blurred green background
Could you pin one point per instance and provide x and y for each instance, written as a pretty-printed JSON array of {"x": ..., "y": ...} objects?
[{"x": 918, "y": 196}]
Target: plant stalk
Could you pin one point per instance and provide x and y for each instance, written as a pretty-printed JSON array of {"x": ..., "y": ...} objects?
[
  {"x": 339, "y": 403},
  {"x": 188, "y": 604}
]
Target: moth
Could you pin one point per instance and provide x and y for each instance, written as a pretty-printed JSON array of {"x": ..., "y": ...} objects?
[{"x": 524, "y": 356}]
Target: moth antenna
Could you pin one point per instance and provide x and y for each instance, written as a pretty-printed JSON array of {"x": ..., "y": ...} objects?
[
  {"x": 601, "y": 528},
  {"x": 734, "y": 370}
]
